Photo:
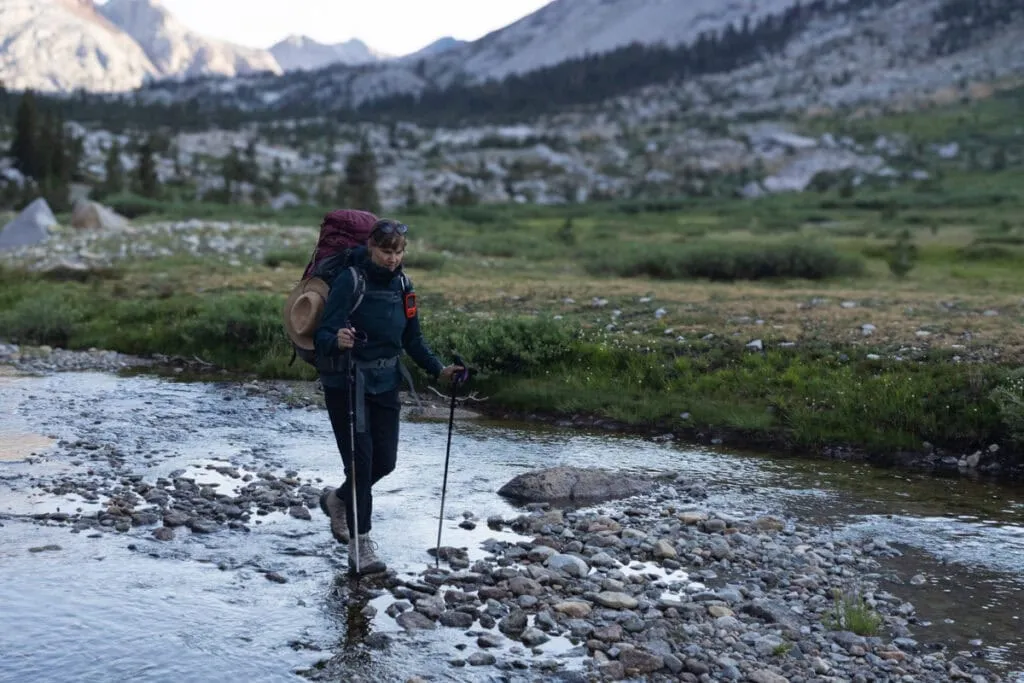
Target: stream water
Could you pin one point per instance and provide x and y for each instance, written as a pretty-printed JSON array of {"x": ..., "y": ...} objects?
[{"x": 105, "y": 605}]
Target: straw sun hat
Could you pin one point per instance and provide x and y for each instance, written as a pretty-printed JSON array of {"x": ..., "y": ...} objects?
[{"x": 303, "y": 310}]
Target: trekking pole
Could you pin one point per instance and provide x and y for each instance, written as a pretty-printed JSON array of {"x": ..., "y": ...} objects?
[
  {"x": 352, "y": 453},
  {"x": 456, "y": 379}
]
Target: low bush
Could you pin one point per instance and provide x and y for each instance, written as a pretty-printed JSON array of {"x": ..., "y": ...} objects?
[
  {"x": 290, "y": 257},
  {"x": 425, "y": 260},
  {"x": 1009, "y": 396},
  {"x": 984, "y": 252},
  {"x": 726, "y": 261},
  {"x": 503, "y": 345},
  {"x": 133, "y": 206},
  {"x": 49, "y": 318}
]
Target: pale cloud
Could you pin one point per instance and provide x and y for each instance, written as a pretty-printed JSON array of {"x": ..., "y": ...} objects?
[{"x": 394, "y": 27}]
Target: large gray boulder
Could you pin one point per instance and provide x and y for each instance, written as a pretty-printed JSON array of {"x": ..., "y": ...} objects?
[
  {"x": 90, "y": 215},
  {"x": 30, "y": 227},
  {"x": 573, "y": 484}
]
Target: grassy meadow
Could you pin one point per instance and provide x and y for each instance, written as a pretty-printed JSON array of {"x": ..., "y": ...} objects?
[{"x": 874, "y": 319}]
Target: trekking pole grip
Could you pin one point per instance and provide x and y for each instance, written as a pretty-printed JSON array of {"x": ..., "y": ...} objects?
[{"x": 463, "y": 376}]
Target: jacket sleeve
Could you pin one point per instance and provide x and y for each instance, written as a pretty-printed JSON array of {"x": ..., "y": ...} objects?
[
  {"x": 416, "y": 346},
  {"x": 336, "y": 312}
]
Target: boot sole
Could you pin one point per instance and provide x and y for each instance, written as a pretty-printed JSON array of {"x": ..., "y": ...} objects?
[{"x": 323, "y": 508}]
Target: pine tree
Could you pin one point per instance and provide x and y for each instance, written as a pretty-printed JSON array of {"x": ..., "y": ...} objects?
[
  {"x": 113, "y": 182},
  {"x": 411, "y": 200},
  {"x": 251, "y": 163},
  {"x": 330, "y": 154},
  {"x": 43, "y": 145},
  {"x": 230, "y": 168},
  {"x": 276, "y": 183},
  {"x": 359, "y": 187},
  {"x": 23, "y": 147},
  {"x": 76, "y": 152},
  {"x": 177, "y": 172},
  {"x": 59, "y": 162},
  {"x": 146, "y": 178}
]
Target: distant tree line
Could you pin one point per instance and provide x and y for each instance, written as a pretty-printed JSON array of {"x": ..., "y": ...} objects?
[
  {"x": 582, "y": 81},
  {"x": 595, "y": 78},
  {"x": 967, "y": 22}
]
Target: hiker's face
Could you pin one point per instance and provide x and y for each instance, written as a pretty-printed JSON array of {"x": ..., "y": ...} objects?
[{"x": 389, "y": 258}]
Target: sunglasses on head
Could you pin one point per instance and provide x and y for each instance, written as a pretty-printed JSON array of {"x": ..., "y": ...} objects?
[{"x": 391, "y": 228}]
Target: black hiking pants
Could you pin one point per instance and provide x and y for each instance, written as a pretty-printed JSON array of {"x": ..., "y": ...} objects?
[{"x": 376, "y": 448}]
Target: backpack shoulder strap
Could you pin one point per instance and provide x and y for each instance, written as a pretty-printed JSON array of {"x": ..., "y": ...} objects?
[
  {"x": 358, "y": 288},
  {"x": 406, "y": 283}
]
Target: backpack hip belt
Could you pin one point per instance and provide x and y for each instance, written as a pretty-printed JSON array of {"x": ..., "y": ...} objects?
[
  {"x": 360, "y": 385},
  {"x": 379, "y": 364}
]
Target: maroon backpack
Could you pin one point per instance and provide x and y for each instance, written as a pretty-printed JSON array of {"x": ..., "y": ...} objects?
[{"x": 340, "y": 232}]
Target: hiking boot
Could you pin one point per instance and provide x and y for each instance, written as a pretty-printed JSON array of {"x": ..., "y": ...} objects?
[
  {"x": 333, "y": 507},
  {"x": 369, "y": 563}
]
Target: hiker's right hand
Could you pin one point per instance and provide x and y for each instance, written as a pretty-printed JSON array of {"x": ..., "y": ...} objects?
[{"x": 346, "y": 338}]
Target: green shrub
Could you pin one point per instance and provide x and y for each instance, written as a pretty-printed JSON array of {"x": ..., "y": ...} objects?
[
  {"x": 902, "y": 255},
  {"x": 850, "y": 612},
  {"x": 292, "y": 257},
  {"x": 48, "y": 318},
  {"x": 1009, "y": 396},
  {"x": 1013, "y": 240},
  {"x": 977, "y": 251},
  {"x": 478, "y": 215},
  {"x": 425, "y": 260},
  {"x": 501, "y": 346},
  {"x": 231, "y": 330},
  {"x": 133, "y": 206},
  {"x": 726, "y": 261}
]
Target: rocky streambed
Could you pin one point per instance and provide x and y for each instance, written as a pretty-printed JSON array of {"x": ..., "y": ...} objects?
[
  {"x": 707, "y": 574},
  {"x": 675, "y": 595}
]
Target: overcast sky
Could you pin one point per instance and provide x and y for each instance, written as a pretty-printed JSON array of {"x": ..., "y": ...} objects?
[{"x": 395, "y": 27}]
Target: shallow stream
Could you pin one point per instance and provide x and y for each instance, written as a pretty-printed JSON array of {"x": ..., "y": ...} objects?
[{"x": 264, "y": 604}]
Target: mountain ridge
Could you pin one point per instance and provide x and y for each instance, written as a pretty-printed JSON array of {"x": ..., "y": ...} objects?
[
  {"x": 302, "y": 53},
  {"x": 177, "y": 50}
]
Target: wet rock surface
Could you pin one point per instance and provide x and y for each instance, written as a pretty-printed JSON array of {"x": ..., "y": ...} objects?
[
  {"x": 45, "y": 359},
  {"x": 573, "y": 484},
  {"x": 676, "y": 592}
]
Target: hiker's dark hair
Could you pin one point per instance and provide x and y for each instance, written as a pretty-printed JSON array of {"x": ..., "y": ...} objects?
[
  {"x": 388, "y": 234},
  {"x": 388, "y": 241}
]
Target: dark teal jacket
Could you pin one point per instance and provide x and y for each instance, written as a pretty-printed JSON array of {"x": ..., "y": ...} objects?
[{"x": 381, "y": 318}]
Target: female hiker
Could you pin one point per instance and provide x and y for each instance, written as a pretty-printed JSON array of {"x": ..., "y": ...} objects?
[{"x": 370, "y": 318}]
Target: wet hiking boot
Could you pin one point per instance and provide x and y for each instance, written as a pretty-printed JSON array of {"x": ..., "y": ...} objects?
[
  {"x": 332, "y": 506},
  {"x": 369, "y": 563}
]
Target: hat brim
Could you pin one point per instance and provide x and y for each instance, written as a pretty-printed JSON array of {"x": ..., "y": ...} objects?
[{"x": 315, "y": 285}]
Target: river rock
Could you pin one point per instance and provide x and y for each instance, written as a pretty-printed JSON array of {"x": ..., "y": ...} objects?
[
  {"x": 414, "y": 621},
  {"x": 568, "y": 564},
  {"x": 563, "y": 484},
  {"x": 615, "y": 600},
  {"x": 573, "y": 609},
  {"x": 640, "y": 662}
]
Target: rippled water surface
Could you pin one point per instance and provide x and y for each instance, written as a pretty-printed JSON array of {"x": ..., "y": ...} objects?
[{"x": 77, "y": 607}]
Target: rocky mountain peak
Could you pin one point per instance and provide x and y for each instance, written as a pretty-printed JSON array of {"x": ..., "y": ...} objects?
[{"x": 176, "y": 50}]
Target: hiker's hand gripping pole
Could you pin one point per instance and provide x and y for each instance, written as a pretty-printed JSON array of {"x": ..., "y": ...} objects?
[{"x": 458, "y": 377}]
